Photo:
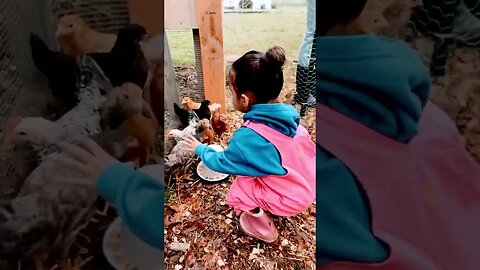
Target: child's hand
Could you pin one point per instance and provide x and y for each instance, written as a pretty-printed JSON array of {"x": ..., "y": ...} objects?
[
  {"x": 191, "y": 143},
  {"x": 87, "y": 159}
]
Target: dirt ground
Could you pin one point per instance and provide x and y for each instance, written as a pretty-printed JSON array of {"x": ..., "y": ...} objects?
[{"x": 197, "y": 215}]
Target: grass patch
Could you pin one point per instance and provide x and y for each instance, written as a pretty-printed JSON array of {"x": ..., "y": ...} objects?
[{"x": 242, "y": 32}]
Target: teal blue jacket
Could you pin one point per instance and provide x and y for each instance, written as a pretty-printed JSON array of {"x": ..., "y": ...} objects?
[
  {"x": 248, "y": 153},
  {"x": 138, "y": 199},
  {"x": 382, "y": 84}
]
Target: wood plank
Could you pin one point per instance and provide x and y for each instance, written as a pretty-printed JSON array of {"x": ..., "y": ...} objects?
[
  {"x": 148, "y": 13},
  {"x": 181, "y": 14},
  {"x": 210, "y": 21}
]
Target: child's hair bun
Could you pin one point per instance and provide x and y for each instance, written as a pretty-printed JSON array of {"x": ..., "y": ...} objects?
[{"x": 274, "y": 57}]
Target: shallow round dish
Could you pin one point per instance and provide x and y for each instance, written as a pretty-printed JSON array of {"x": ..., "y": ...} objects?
[
  {"x": 201, "y": 172},
  {"x": 112, "y": 248}
]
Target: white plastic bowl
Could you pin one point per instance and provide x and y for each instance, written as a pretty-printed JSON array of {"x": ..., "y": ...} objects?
[{"x": 211, "y": 173}]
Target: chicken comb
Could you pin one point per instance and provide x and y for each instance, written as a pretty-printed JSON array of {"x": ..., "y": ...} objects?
[
  {"x": 186, "y": 99},
  {"x": 214, "y": 107},
  {"x": 12, "y": 124}
]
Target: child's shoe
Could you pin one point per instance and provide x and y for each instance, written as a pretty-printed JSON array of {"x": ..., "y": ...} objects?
[{"x": 259, "y": 226}]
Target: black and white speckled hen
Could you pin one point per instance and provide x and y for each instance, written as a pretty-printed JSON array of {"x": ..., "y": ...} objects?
[{"x": 46, "y": 217}]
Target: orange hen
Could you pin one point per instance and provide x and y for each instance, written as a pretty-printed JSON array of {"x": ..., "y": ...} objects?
[
  {"x": 140, "y": 122},
  {"x": 219, "y": 125},
  {"x": 206, "y": 130},
  {"x": 189, "y": 104}
]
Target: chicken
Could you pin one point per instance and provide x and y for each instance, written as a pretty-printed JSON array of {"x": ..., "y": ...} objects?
[
  {"x": 179, "y": 153},
  {"x": 206, "y": 131},
  {"x": 191, "y": 130},
  {"x": 218, "y": 123},
  {"x": 397, "y": 14},
  {"x": 134, "y": 116},
  {"x": 39, "y": 132},
  {"x": 191, "y": 105},
  {"x": 183, "y": 115},
  {"x": 76, "y": 38},
  {"x": 77, "y": 122},
  {"x": 46, "y": 216},
  {"x": 156, "y": 92},
  {"x": 178, "y": 156},
  {"x": 59, "y": 68},
  {"x": 124, "y": 63},
  {"x": 202, "y": 110}
]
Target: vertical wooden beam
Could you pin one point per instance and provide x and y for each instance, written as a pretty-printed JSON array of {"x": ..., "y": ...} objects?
[
  {"x": 148, "y": 13},
  {"x": 210, "y": 22}
]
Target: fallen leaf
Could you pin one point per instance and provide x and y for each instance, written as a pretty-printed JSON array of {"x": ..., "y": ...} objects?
[
  {"x": 179, "y": 246},
  {"x": 220, "y": 262}
]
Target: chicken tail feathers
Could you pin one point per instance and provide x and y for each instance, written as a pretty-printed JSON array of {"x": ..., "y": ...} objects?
[
  {"x": 50, "y": 63},
  {"x": 40, "y": 53},
  {"x": 181, "y": 113}
]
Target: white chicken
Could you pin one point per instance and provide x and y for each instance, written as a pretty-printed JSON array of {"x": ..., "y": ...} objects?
[
  {"x": 190, "y": 130},
  {"x": 39, "y": 132},
  {"x": 179, "y": 153}
]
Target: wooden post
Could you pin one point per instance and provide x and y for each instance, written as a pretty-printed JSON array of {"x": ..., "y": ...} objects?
[
  {"x": 148, "y": 13},
  {"x": 210, "y": 22}
]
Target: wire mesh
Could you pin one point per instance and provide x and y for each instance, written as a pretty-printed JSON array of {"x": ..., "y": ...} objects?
[
  {"x": 452, "y": 23},
  {"x": 102, "y": 15},
  {"x": 185, "y": 51},
  {"x": 19, "y": 79},
  {"x": 306, "y": 83},
  {"x": 17, "y": 18}
]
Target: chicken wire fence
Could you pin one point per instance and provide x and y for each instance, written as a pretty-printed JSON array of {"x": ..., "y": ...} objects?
[
  {"x": 17, "y": 19},
  {"x": 306, "y": 83},
  {"x": 185, "y": 52},
  {"x": 102, "y": 15},
  {"x": 451, "y": 23},
  {"x": 19, "y": 79}
]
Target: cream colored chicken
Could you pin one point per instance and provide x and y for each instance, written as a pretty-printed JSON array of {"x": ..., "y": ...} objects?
[{"x": 76, "y": 38}]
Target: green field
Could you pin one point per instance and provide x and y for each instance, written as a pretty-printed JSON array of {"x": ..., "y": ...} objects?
[{"x": 284, "y": 26}]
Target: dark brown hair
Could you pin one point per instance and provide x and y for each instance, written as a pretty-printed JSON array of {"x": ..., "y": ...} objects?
[
  {"x": 260, "y": 73},
  {"x": 332, "y": 12}
]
